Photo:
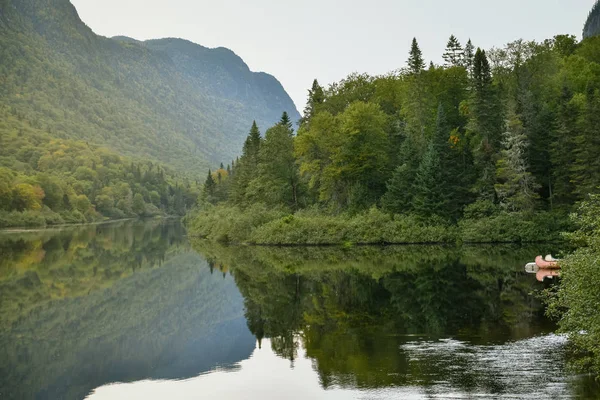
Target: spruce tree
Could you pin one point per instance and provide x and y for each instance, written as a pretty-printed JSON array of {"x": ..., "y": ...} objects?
[
  {"x": 454, "y": 54},
  {"x": 252, "y": 145},
  {"x": 516, "y": 187},
  {"x": 432, "y": 183},
  {"x": 485, "y": 124},
  {"x": 586, "y": 167},
  {"x": 469, "y": 57},
  {"x": 416, "y": 64},
  {"x": 209, "y": 188},
  {"x": 246, "y": 166},
  {"x": 398, "y": 198},
  {"x": 286, "y": 122},
  {"x": 316, "y": 96},
  {"x": 562, "y": 148}
]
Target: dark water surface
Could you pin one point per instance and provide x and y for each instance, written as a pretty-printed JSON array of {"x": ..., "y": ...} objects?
[{"x": 132, "y": 310}]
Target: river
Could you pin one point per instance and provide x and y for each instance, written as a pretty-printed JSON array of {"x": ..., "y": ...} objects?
[{"x": 134, "y": 310}]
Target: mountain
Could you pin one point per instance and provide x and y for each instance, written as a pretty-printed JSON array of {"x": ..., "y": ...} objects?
[
  {"x": 592, "y": 25},
  {"x": 167, "y": 100}
]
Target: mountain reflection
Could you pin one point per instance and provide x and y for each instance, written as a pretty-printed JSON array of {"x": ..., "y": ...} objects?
[{"x": 111, "y": 303}]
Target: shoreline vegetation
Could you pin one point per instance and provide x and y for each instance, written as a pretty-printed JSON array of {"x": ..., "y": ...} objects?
[
  {"x": 50, "y": 182},
  {"x": 492, "y": 146},
  {"x": 259, "y": 225}
]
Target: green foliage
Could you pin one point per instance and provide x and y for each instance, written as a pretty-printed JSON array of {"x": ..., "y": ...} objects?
[
  {"x": 261, "y": 225},
  {"x": 169, "y": 101},
  {"x": 66, "y": 181},
  {"x": 514, "y": 227},
  {"x": 230, "y": 224},
  {"x": 454, "y": 54},
  {"x": 516, "y": 187},
  {"x": 576, "y": 301},
  {"x": 277, "y": 181},
  {"x": 415, "y": 61},
  {"x": 316, "y": 97},
  {"x": 499, "y": 145}
]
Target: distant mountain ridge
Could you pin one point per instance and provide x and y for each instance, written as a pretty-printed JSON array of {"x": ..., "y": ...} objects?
[
  {"x": 592, "y": 25},
  {"x": 168, "y": 100}
]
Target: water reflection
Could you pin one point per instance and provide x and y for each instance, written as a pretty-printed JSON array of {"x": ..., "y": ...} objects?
[
  {"x": 115, "y": 303},
  {"x": 130, "y": 310},
  {"x": 460, "y": 321}
]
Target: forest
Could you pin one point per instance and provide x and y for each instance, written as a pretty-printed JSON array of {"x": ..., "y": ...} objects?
[
  {"x": 491, "y": 146},
  {"x": 50, "y": 181},
  {"x": 168, "y": 101}
]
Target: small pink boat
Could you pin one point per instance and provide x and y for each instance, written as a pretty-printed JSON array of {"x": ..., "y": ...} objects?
[
  {"x": 548, "y": 263},
  {"x": 544, "y": 274}
]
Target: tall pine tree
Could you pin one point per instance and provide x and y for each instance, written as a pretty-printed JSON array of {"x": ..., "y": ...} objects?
[
  {"x": 416, "y": 64},
  {"x": 209, "y": 188},
  {"x": 469, "y": 57},
  {"x": 485, "y": 124},
  {"x": 516, "y": 187},
  {"x": 246, "y": 166},
  {"x": 286, "y": 122},
  {"x": 454, "y": 54},
  {"x": 316, "y": 96},
  {"x": 432, "y": 184}
]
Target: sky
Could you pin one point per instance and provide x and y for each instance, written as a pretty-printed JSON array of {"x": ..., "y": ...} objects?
[{"x": 298, "y": 41}]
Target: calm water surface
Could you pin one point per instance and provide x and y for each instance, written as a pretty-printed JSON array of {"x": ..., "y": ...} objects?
[{"x": 132, "y": 310}]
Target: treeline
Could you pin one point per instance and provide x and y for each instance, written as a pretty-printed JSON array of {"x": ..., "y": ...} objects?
[
  {"x": 48, "y": 181},
  {"x": 485, "y": 140}
]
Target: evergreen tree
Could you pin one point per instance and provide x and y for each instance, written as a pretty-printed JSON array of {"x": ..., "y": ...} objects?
[
  {"x": 432, "y": 184},
  {"x": 316, "y": 96},
  {"x": 586, "y": 168},
  {"x": 454, "y": 54},
  {"x": 286, "y": 122},
  {"x": 399, "y": 195},
  {"x": 252, "y": 145},
  {"x": 209, "y": 188},
  {"x": 562, "y": 148},
  {"x": 246, "y": 166},
  {"x": 485, "y": 124},
  {"x": 469, "y": 57},
  {"x": 278, "y": 178},
  {"x": 416, "y": 64},
  {"x": 516, "y": 187}
]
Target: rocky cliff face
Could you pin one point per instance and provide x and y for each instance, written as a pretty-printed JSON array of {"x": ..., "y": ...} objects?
[{"x": 592, "y": 25}]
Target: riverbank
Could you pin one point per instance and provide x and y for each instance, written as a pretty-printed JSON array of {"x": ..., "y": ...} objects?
[
  {"x": 259, "y": 225},
  {"x": 63, "y": 226}
]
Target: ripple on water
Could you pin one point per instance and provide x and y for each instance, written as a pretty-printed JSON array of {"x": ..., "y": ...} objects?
[{"x": 525, "y": 369}]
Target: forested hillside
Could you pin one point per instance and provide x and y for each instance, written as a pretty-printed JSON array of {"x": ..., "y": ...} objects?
[
  {"x": 592, "y": 25},
  {"x": 490, "y": 146},
  {"x": 141, "y": 115},
  {"x": 48, "y": 181},
  {"x": 168, "y": 100}
]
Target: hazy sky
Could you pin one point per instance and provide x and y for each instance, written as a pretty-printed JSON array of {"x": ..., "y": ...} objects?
[{"x": 300, "y": 40}]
